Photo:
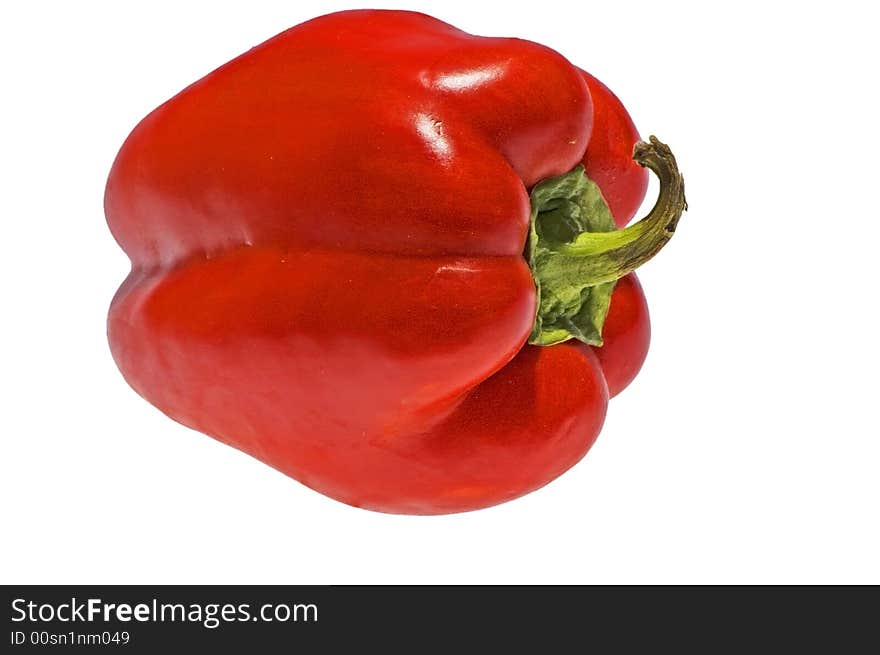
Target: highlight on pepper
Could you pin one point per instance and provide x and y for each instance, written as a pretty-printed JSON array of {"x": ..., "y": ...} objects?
[{"x": 390, "y": 259}]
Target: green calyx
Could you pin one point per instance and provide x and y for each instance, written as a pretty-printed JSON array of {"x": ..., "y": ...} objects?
[{"x": 576, "y": 253}]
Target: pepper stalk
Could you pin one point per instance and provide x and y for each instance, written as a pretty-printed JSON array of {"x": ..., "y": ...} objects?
[{"x": 577, "y": 254}]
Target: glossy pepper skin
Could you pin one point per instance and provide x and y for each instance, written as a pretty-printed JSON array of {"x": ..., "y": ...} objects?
[{"x": 327, "y": 239}]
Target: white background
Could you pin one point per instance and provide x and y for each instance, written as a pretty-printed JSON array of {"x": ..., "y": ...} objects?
[{"x": 747, "y": 451}]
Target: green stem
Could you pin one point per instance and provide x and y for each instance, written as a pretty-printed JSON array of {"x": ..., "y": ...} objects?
[
  {"x": 597, "y": 257},
  {"x": 576, "y": 253}
]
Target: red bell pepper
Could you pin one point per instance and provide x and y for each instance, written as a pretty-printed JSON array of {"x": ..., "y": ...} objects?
[{"x": 366, "y": 253}]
